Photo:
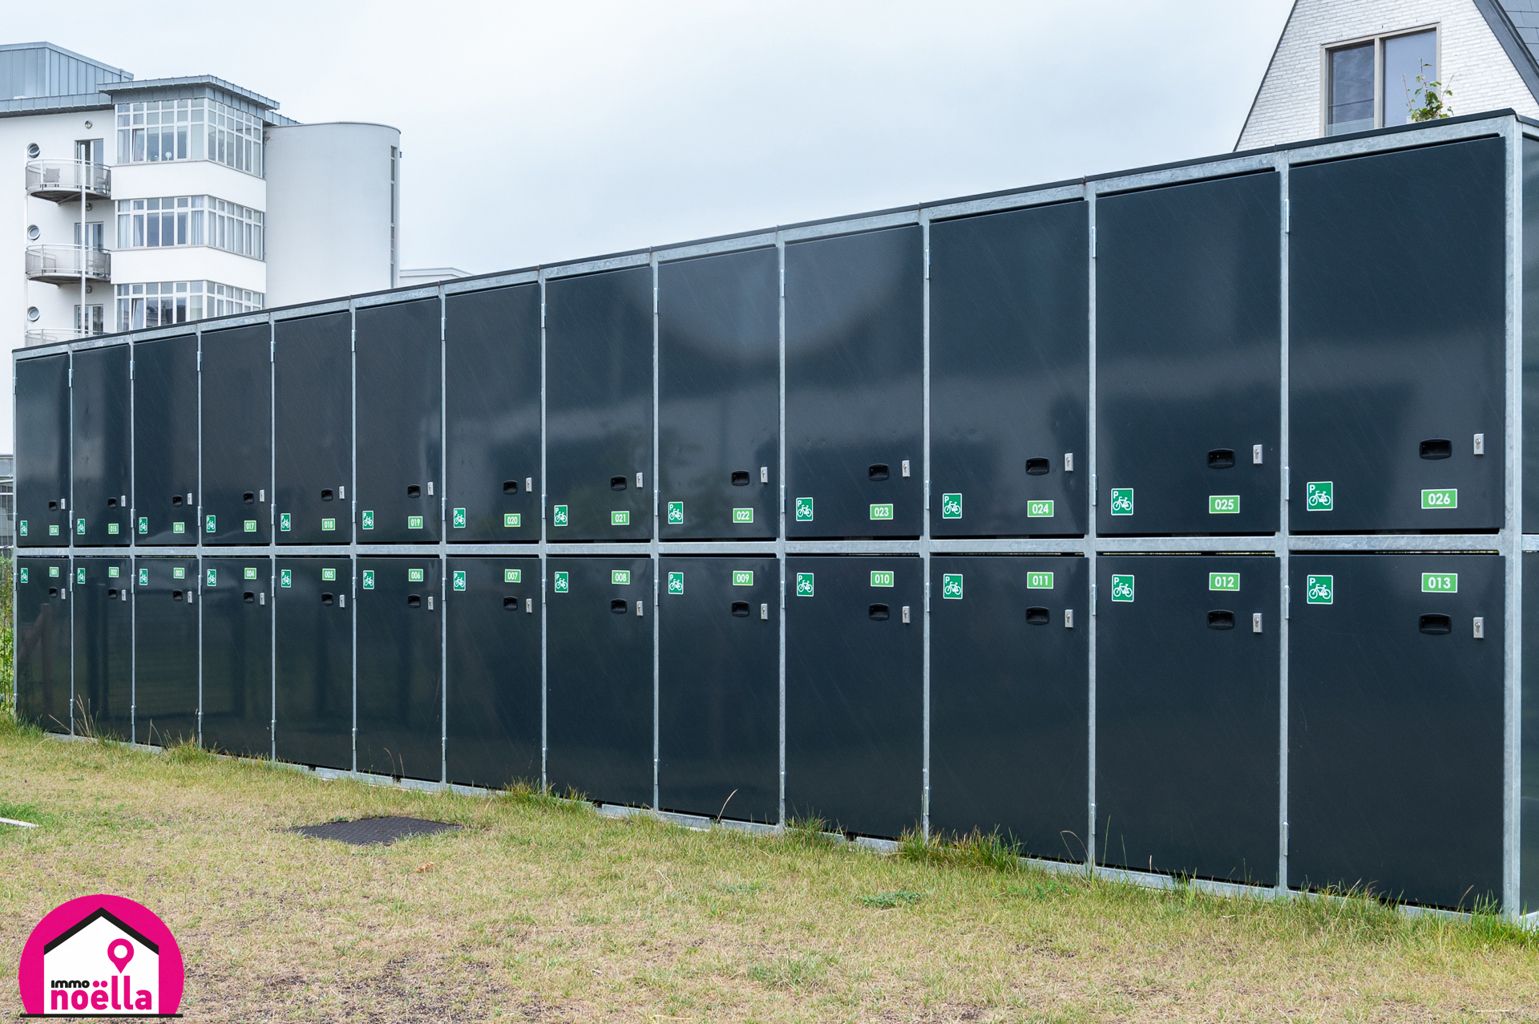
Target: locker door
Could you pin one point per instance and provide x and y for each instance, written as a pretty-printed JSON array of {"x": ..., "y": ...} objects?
[
  {"x": 1395, "y": 736},
  {"x": 237, "y": 435},
  {"x": 399, "y": 422},
  {"x": 400, "y": 687},
  {"x": 598, "y": 405},
  {"x": 598, "y": 700},
  {"x": 1528, "y": 873},
  {"x": 43, "y": 690},
  {"x": 313, "y": 699},
  {"x": 1010, "y": 714},
  {"x": 719, "y": 395},
  {"x": 494, "y": 688},
  {"x": 314, "y": 429},
  {"x": 1188, "y": 349},
  {"x": 1009, "y": 372},
  {"x": 100, "y": 451},
  {"x": 1391, "y": 378},
  {"x": 42, "y": 452},
  {"x": 1187, "y": 706},
  {"x": 165, "y": 501},
  {"x": 854, "y": 692},
  {"x": 492, "y": 394},
  {"x": 165, "y": 651},
  {"x": 719, "y": 687},
  {"x": 854, "y": 313},
  {"x": 103, "y": 649},
  {"x": 237, "y": 656}
]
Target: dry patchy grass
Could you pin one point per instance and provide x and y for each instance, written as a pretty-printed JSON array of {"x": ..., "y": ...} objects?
[{"x": 542, "y": 911}]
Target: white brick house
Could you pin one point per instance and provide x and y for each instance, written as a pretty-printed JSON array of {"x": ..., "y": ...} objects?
[{"x": 1349, "y": 65}]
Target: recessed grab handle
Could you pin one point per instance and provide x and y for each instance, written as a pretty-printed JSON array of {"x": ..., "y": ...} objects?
[
  {"x": 878, "y": 613},
  {"x": 1038, "y": 467},
  {"x": 1037, "y": 616},
  {"x": 510, "y": 603},
  {"x": 740, "y": 478},
  {"x": 740, "y": 609},
  {"x": 328, "y": 599},
  {"x": 878, "y": 471},
  {"x": 1219, "y": 619},
  {"x": 1437, "y": 448},
  {"x": 1221, "y": 458},
  {"x": 249, "y": 597},
  {"x": 510, "y": 487},
  {"x": 248, "y": 498},
  {"x": 176, "y": 595},
  {"x": 619, "y": 607},
  {"x": 1435, "y": 625},
  {"x": 327, "y": 494},
  {"x": 414, "y": 490},
  {"x": 617, "y": 483},
  {"x": 413, "y": 601},
  {"x": 112, "y": 593}
]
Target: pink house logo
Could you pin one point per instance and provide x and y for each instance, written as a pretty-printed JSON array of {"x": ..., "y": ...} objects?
[{"x": 102, "y": 956}]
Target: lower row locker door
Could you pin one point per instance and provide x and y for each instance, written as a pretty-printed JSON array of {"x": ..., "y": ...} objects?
[
  {"x": 719, "y": 687},
  {"x": 165, "y": 651},
  {"x": 1010, "y": 701},
  {"x": 1187, "y": 708},
  {"x": 237, "y": 656},
  {"x": 855, "y": 693},
  {"x": 599, "y": 679},
  {"x": 400, "y": 691},
  {"x": 103, "y": 648},
  {"x": 43, "y": 695},
  {"x": 1395, "y": 738},
  {"x": 492, "y": 646},
  {"x": 313, "y": 695}
]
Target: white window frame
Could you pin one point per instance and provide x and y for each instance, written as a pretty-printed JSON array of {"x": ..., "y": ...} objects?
[{"x": 1377, "y": 39}]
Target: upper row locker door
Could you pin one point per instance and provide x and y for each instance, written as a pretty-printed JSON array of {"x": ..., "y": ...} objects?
[
  {"x": 1188, "y": 358},
  {"x": 1397, "y": 327},
  {"x": 1009, "y": 372},
  {"x": 492, "y": 397},
  {"x": 100, "y": 451},
  {"x": 313, "y": 429},
  {"x": 166, "y": 442},
  {"x": 854, "y": 389},
  {"x": 237, "y": 435},
  {"x": 718, "y": 394},
  {"x": 42, "y": 451},
  {"x": 399, "y": 398},
  {"x": 598, "y": 405}
]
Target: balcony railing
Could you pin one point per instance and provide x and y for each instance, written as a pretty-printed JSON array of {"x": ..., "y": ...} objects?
[
  {"x": 51, "y": 337},
  {"x": 63, "y": 180},
  {"x": 67, "y": 264}
]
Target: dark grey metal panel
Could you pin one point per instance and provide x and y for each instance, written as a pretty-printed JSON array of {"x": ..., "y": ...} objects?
[
  {"x": 237, "y": 656},
  {"x": 237, "y": 435},
  {"x": 103, "y": 648},
  {"x": 166, "y": 441},
  {"x": 314, "y": 429},
  {"x": 1010, "y": 700},
  {"x": 1530, "y": 327},
  {"x": 1395, "y": 726},
  {"x": 100, "y": 450},
  {"x": 1528, "y": 752},
  {"x": 314, "y": 672},
  {"x": 598, "y": 678},
  {"x": 42, "y": 452},
  {"x": 719, "y": 687},
  {"x": 1187, "y": 697},
  {"x": 399, "y": 422},
  {"x": 598, "y": 405},
  {"x": 492, "y": 391},
  {"x": 855, "y": 693},
  {"x": 1188, "y": 350},
  {"x": 400, "y": 686},
  {"x": 1009, "y": 373},
  {"x": 719, "y": 395},
  {"x": 854, "y": 384},
  {"x": 43, "y": 693},
  {"x": 1397, "y": 321},
  {"x": 492, "y": 615},
  {"x": 165, "y": 650}
]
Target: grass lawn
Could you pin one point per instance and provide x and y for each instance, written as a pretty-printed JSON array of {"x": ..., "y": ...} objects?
[{"x": 542, "y": 910}]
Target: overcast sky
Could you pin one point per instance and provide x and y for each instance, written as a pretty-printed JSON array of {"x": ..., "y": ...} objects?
[{"x": 536, "y": 132}]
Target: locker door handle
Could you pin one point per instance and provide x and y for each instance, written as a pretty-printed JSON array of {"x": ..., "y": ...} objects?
[
  {"x": 53, "y": 506},
  {"x": 510, "y": 604},
  {"x": 112, "y": 593},
  {"x": 112, "y": 503},
  {"x": 740, "y": 477},
  {"x": 1038, "y": 467},
  {"x": 740, "y": 609},
  {"x": 53, "y": 591},
  {"x": 177, "y": 501},
  {"x": 878, "y": 613},
  {"x": 1437, "y": 448},
  {"x": 619, "y": 607},
  {"x": 1037, "y": 616},
  {"x": 248, "y": 498},
  {"x": 413, "y": 601},
  {"x": 248, "y": 597},
  {"x": 328, "y": 599},
  {"x": 413, "y": 491},
  {"x": 510, "y": 487},
  {"x": 617, "y": 483},
  {"x": 326, "y": 494},
  {"x": 1221, "y": 458},
  {"x": 1220, "y": 620},
  {"x": 1435, "y": 625},
  {"x": 878, "y": 471},
  {"x": 176, "y": 595}
]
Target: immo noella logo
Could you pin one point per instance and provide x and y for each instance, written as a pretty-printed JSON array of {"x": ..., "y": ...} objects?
[{"x": 101, "y": 956}]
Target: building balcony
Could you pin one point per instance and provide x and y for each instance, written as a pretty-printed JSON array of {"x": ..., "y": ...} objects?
[
  {"x": 63, "y": 181},
  {"x": 51, "y": 337},
  {"x": 67, "y": 264}
]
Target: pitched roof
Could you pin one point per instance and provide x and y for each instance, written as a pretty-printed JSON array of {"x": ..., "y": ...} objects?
[{"x": 1515, "y": 23}]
